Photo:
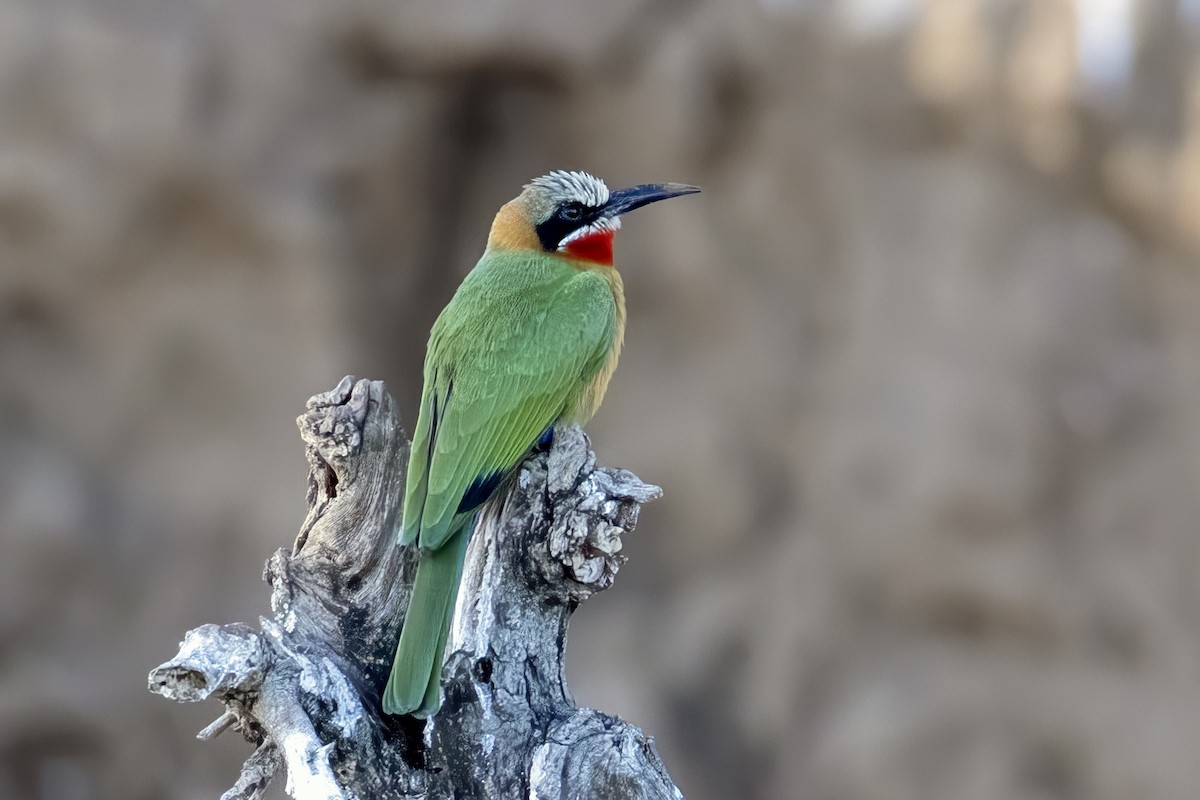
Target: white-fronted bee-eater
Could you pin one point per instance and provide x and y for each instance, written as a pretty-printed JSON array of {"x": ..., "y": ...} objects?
[{"x": 529, "y": 340}]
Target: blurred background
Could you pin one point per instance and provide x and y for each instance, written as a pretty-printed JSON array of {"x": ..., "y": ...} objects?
[{"x": 919, "y": 372}]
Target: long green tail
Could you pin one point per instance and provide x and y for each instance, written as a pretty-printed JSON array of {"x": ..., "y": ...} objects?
[{"x": 414, "y": 687}]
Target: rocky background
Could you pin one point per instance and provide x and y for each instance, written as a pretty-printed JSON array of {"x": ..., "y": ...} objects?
[{"x": 919, "y": 371}]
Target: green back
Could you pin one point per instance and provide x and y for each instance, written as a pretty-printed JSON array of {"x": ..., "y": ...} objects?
[{"x": 508, "y": 356}]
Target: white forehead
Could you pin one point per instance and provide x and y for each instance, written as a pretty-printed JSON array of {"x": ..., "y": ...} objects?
[{"x": 562, "y": 186}]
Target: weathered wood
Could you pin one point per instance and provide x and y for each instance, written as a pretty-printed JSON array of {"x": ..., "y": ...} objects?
[{"x": 304, "y": 687}]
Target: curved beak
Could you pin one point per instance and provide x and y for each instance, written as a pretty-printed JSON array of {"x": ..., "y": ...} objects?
[{"x": 624, "y": 200}]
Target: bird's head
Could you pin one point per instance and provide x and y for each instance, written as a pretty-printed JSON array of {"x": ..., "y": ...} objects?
[{"x": 572, "y": 214}]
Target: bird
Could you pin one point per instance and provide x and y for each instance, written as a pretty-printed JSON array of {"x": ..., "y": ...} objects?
[{"x": 528, "y": 341}]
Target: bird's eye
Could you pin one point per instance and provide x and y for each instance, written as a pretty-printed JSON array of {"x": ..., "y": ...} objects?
[{"x": 572, "y": 212}]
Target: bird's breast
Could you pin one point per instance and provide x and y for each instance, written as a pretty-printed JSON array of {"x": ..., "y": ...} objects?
[{"x": 593, "y": 391}]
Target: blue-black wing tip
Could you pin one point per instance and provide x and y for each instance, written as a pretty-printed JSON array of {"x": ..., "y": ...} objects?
[{"x": 479, "y": 491}]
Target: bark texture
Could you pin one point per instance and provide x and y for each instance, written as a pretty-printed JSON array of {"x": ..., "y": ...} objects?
[{"x": 304, "y": 686}]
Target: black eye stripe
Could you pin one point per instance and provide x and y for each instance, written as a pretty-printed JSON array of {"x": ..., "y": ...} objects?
[{"x": 568, "y": 217}]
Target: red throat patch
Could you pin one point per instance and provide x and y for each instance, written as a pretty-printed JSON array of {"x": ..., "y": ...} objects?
[{"x": 597, "y": 247}]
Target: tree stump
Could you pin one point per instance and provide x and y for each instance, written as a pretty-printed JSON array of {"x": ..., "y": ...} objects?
[{"x": 304, "y": 686}]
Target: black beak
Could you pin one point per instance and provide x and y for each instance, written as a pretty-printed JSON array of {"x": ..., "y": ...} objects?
[{"x": 623, "y": 200}]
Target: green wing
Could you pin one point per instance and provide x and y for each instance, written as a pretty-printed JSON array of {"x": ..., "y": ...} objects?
[{"x": 509, "y": 355}]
